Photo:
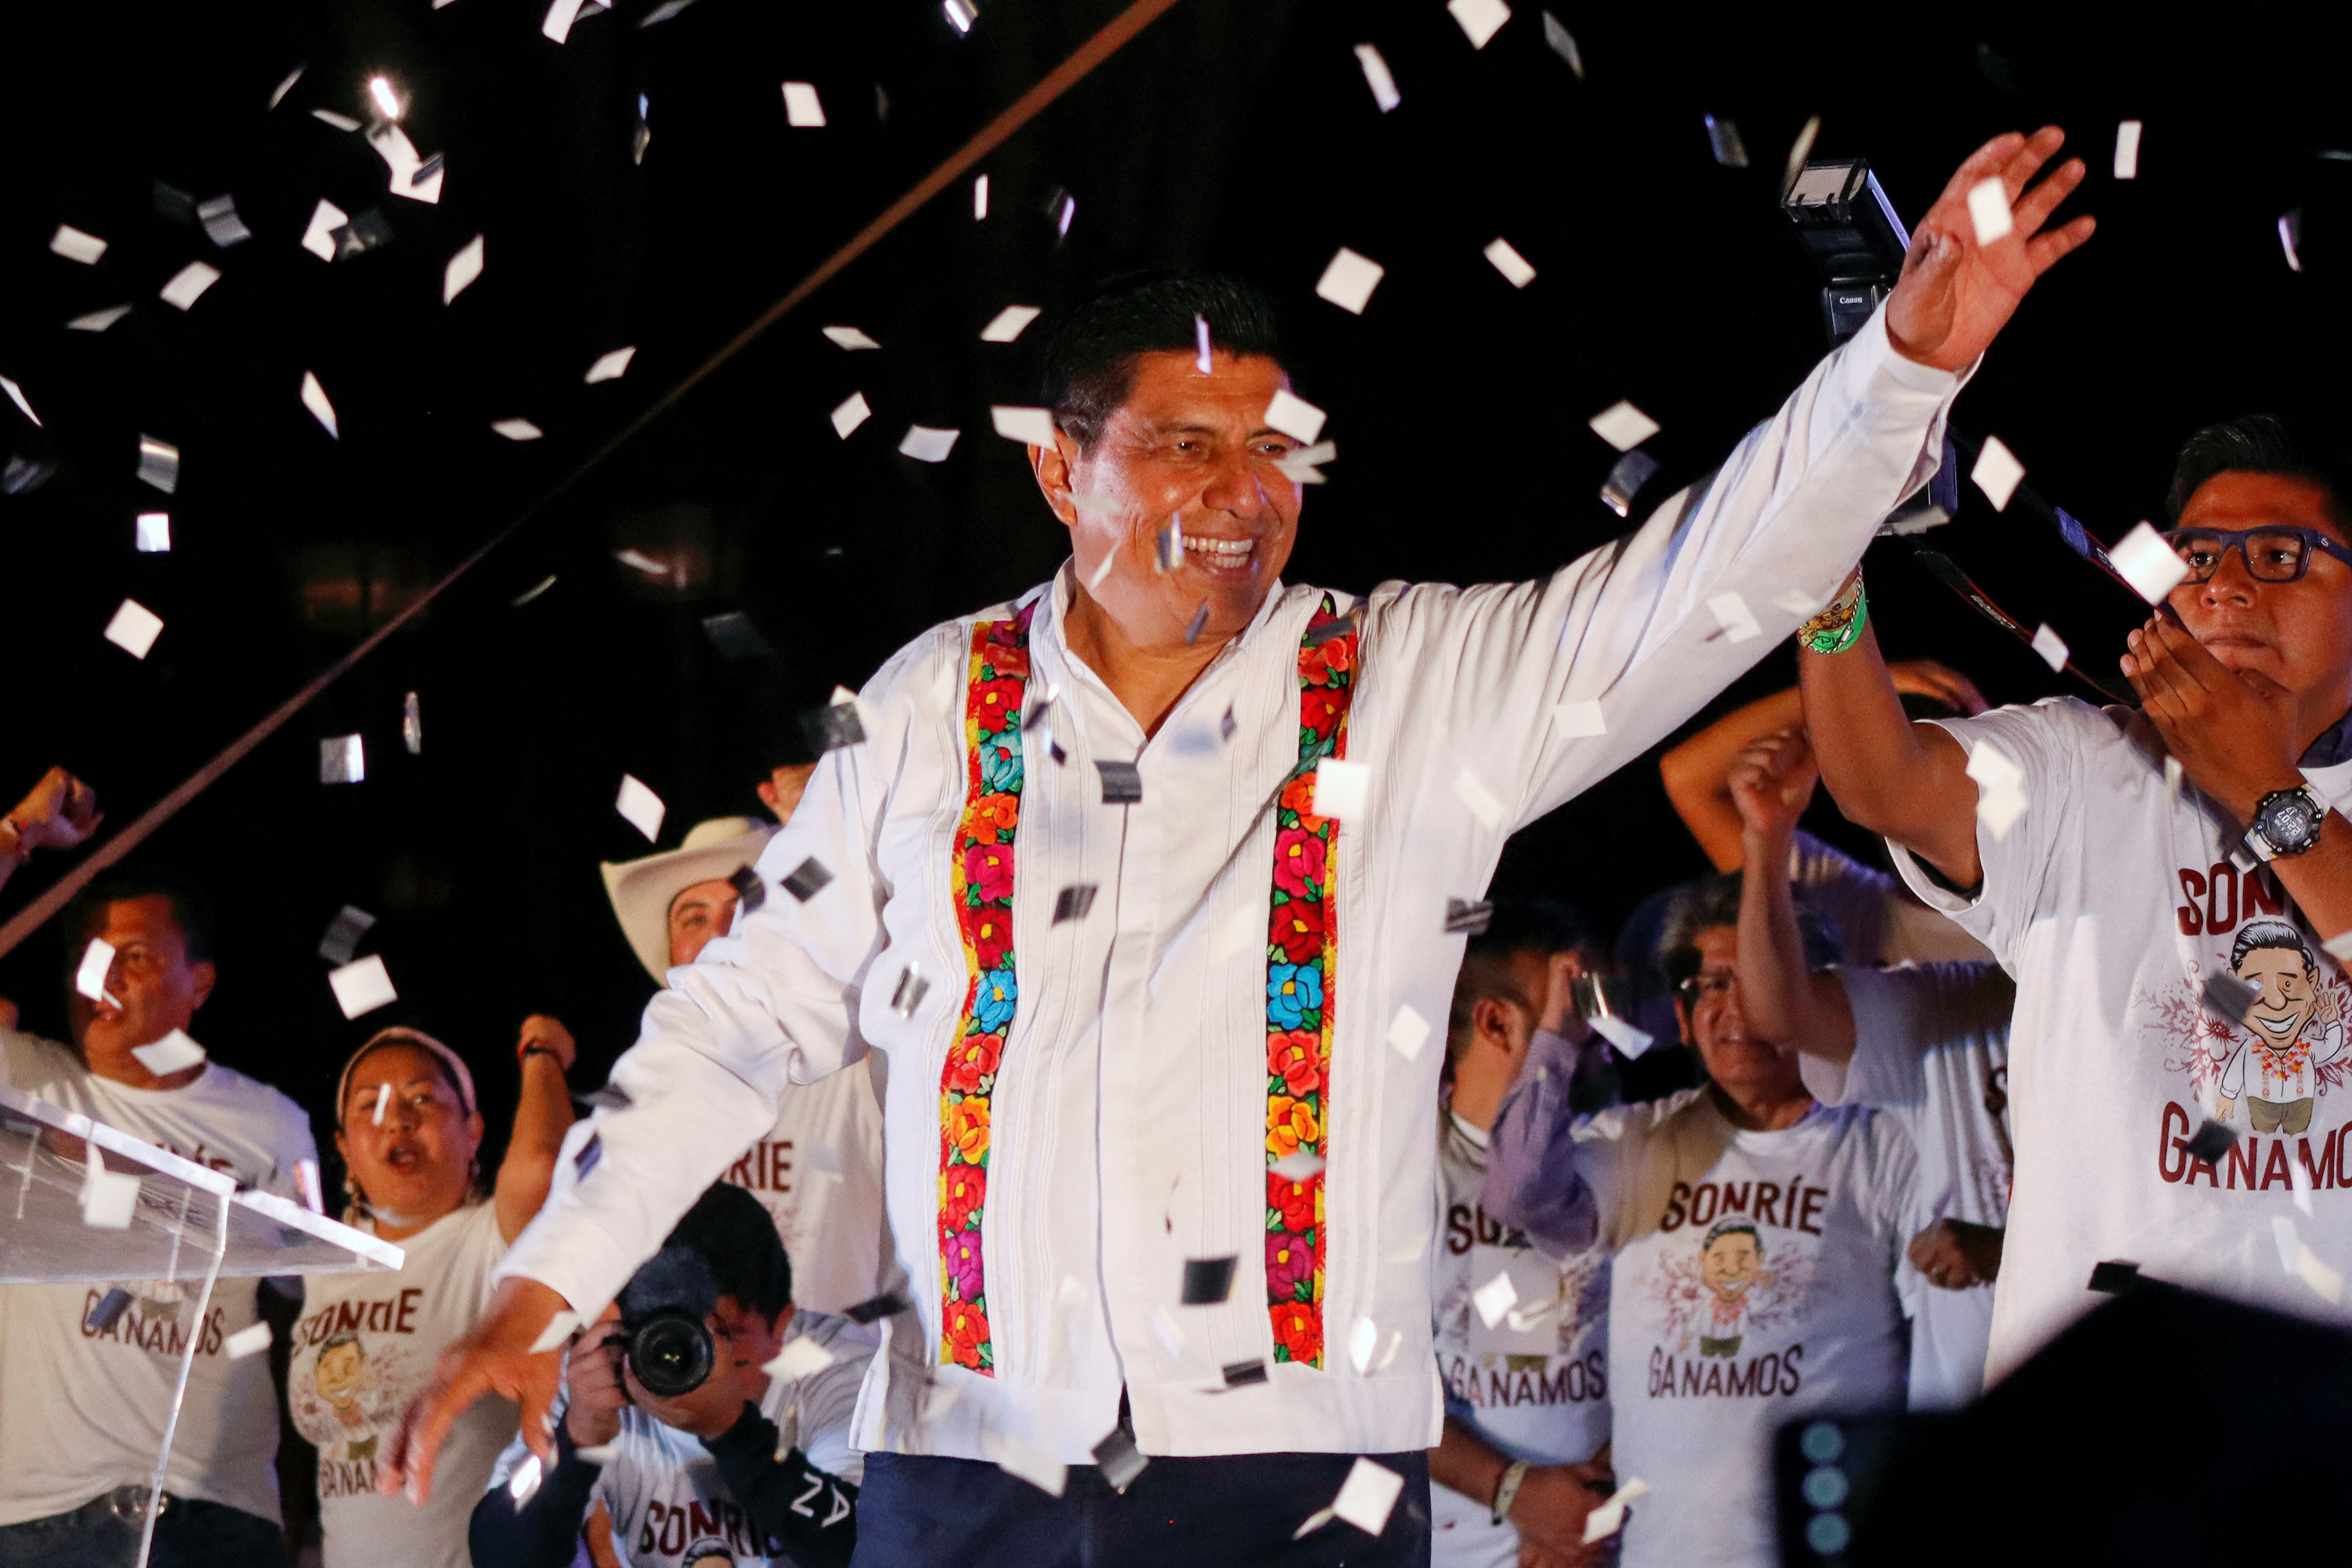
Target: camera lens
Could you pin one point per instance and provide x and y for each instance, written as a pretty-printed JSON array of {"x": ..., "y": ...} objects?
[{"x": 671, "y": 1355}]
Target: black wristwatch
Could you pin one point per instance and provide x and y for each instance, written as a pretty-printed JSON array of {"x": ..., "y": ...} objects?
[{"x": 2286, "y": 822}]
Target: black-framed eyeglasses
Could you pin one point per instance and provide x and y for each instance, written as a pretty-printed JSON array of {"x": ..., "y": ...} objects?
[{"x": 2275, "y": 553}]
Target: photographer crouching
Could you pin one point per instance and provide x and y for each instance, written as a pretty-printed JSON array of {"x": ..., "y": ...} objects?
[{"x": 676, "y": 1436}]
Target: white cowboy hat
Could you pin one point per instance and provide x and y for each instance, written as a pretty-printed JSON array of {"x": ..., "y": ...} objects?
[{"x": 643, "y": 890}]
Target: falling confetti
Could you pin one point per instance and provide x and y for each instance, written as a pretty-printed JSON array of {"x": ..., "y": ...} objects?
[
  {"x": 800, "y": 1358},
  {"x": 1408, "y": 1032},
  {"x": 17, "y": 395},
  {"x": 175, "y": 1053},
  {"x": 1349, "y": 280},
  {"x": 99, "y": 320},
  {"x": 1294, "y": 416},
  {"x": 1208, "y": 1282},
  {"x": 1723, "y": 138},
  {"x": 1467, "y": 916},
  {"x": 801, "y": 106},
  {"x": 344, "y": 934},
  {"x": 1370, "y": 1489},
  {"x": 75, "y": 245},
  {"x": 2152, "y": 566},
  {"x": 1008, "y": 323},
  {"x": 134, "y": 628},
  {"x": 1033, "y": 426},
  {"x": 159, "y": 463},
  {"x": 221, "y": 223},
  {"x": 1626, "y": 477},
  {"x": 97, "y": 962},
  {"x": 1610, "y": 1518},
  {"x": 2001, "y": 800},
  {"x": 1562, "y": 43},
  {"x": 1073, "y": 902},
  {"x": 852, "y": 414},
  {"x": 342, "y": 759},
  {"x": 314, "y": 398},
  {"x": 1480, "y": 19},
  {"x": 363, "y": 986},
  {"x": 925, "y": 445},
  {"x": 1623, "y": 426},
  {"x": 640, "y": 806},
  {"x": 516, "y": 429},
  {"x": 463, "y": 268},
  {"x": 610, "y": 366},
  {"x": 2127, "y": 150},
  {"x": 108, "y": 1198},
  {"x": 188, "y": 285},
  {"x": 1122, "y": 783},
  {"x": 1996, "y": 472},
  {"x": 1341, "y": 789},
  {"x": 850, "y": 338},
  {"x": 247, "y": 1342},
  {"x": 154, "y": 532},
  {"x": 1376, "y": 76},
  {"x": 2050, "y": 646},
  {"x": 1988, "y": 210},
  {"x": 1511, "y": 263},
  {"x": 807, "y": 880}
]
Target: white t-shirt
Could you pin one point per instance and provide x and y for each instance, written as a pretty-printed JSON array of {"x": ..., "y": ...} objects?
[
  {"x": 1753, "y": 1283},
  {"x": 1878, "y": 923},
  {"x": 1535, "y": 1384},
  {"x": 363, "y": 1349},
  {"x": 669, "y": 1504},
  {"x": 2112, "y": 905},
  {"x": 1931, "y": 1050},
  {"x": 819, "y": 1173},
  {"x": 83, "y": 1413}
]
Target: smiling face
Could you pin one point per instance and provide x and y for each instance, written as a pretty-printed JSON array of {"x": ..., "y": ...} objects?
[
  {"x": 342, "y": 1375},
  {"x": 1195, "y": 448},
  {"x": 2298, "y": 633},
  {"x": 1741, "y": 1063},
  {"x": 1731, "y": 1263},
  {"x": 416, "y": 1165},
  {"x": 702, "y": 911},
  {"x": 158, "y": 986},
  {"x": 2286, "y": 993}
]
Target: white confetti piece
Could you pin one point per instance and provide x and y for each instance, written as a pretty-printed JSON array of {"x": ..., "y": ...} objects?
[
  {"x": 1610, "y": 1518},
  {"x": 17, "y": 395},
  {"x": 247, "y": 1342},
  {"x": 925, "y": 445},
  {"x": 188, "y": 283},
  {"x": 1376, "y": 76},
  {"x": 800, "y": 1358},
  {"x": 278, "y": 95},
  {"x": 559, "y": 1329},
  {"x": 1495, "y": 1298},
  {"x": 1350, "y": 280},
  {"x": 1576, "y": 720},
  {"x": 1371, "y": 1488},
  {"x": 2127, "y": 150},
  {"x": 75, "y": 245},
  {"x": 852, "y": 414},
  {"x": 1341, "y": 787},
  {"x": 642, "y": 809},
  {"x": 1031, "y": 1464},
  {"x": 980, "y": 199},
  {"x": 361, "y": 987},
  {"x": 99, "y": 320},
  {"x": 1294, "y": 416},
  {"x": 1480, "y": 20},
  {"x": 383, "y": 1103},
  {"x": 801, "y": 106},
  {"x": 961, "y": 15},
  {"x": 1470, "y": 792},
  {"x": 1996, "y": 472},
  {"x": 314, "y": 398},
  {"x": 524, "y": 1484},
  {"x": 108, "y": 1198},
  {"x": 1563, "y": 43},
  {"x": 611, "y": 366},
  {"x": 2289, "y": 233},
  {"x": 134, "y": 628},
  {"x": 1723, "y": 139},
  {"x": 1363, "y": 1338},
  {"x": 319, "y": 239},
  {"x": 605, "y": 1453},
  {"x": 1623, "y": 426},
  {"x": 2325, "y": 1281},
  {"x": 2000, "y": 800},
  {"x": 159, "y": 463},
  {"x": 1408, "y": 1032},
  {"x": 1731, "y": 613},
  {"x": 2298, "y": 1182},
  {"x": 1630, "y": 1042},
  {"x": 342, "y": 759},
  {"x": 1299, "y": 1165},
  {"x": 1988, "y": 210},
  {"x": 175, "y": 1053},
  {"x": 463, "y": 268},
  {"x": 850, "y": 338},
  {"x": 1511, "y": 263},
  {"x": 90, "y": 976},
  {"x": 1301, "y": 464},
  {"x": 563, "y": 14},
  {"x": 418, "y": 179},
  {"x": 1314, "y": 1522},
  {"x": 1033, "y": 425},
  {"x": 1008, "y": 323},
  {"x": 661, "y": 13},
  {"x": 340, "y": 122},
  {"x": 2152, "y": 566},
  {"x": 306, "y": 1182},
  {"x": 516, "y": 429},
  {"x": 222, "y": 225},
  {"x": 2050, "y": 646}
]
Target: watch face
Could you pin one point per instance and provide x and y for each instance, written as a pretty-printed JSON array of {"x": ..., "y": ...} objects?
[{"x": 2290, "y": 821}]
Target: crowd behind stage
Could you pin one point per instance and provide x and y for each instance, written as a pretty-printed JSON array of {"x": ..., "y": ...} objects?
[{"x": 1749, "y": 1160}]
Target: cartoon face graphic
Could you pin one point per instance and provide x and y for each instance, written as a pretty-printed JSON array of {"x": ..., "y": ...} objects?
[
  {"x": 2270, "y": 957},
  {"x": 1732, "y": 1259},
  {"x": 343, "y": 1377}
]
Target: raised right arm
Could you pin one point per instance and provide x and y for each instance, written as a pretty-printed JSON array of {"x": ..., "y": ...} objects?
[{"x": 1906, "y": 783}]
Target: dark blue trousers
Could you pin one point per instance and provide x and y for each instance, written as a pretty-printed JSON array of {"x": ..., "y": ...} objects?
[{"x": 1238, "y": 1509}]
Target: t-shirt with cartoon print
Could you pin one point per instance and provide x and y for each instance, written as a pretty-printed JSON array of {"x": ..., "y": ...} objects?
[
  {"x": 1752, "y": 1284},
  {"x": 1533, "y": 1382},
  {"x": 82, "y": 1410},
  {"x": 1931, "y": 1050},
  {"x": 363, "y": 1348},
  {"x": 2114, "y": 901}
]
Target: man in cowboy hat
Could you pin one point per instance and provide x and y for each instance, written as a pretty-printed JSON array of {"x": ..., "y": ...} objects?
[{"x": 819, "y": 1169}]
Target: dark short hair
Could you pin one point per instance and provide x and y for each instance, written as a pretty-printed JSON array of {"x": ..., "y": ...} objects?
[
  {"x": 191, "y": 909},
  {"x": 1534, "y": 923},
  {"x": 1733, "y": 1224},
  {"x": 1714, "y": 901},
  {"x": 1090, "y": 359},
  {"x": 735, "y": 1236},
  {"x": 2270, "y": 935},
  {"x": 2264, "y": 444}
]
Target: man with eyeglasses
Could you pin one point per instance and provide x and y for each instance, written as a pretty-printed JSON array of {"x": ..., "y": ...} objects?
[
  {"x": 1753, "y": 1235},
  {"x": 2117, "y": 896}
]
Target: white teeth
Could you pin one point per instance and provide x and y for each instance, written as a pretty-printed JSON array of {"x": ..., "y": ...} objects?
[{"x": 1221, "y": 552}]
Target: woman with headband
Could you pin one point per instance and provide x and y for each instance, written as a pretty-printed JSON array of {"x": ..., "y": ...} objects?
[{"x": 409, "y": 1129}]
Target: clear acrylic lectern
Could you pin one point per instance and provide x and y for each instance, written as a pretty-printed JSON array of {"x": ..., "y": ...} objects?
[{"x": 188, "y": 1223}]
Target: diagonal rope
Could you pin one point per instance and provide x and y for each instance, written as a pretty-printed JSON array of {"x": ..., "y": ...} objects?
[{"x": 1027, "y": 106}]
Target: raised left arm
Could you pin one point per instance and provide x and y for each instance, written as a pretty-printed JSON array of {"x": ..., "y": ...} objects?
[{"x": 545, "y": 1051}]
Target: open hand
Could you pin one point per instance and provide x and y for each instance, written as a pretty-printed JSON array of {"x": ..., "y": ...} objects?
[
  {"x": 2231, "y": 730},
  {"x": 494, "y": 1356},
  {"x": 1772, "y": 783},
  {"x": 1955, "y": 295}
]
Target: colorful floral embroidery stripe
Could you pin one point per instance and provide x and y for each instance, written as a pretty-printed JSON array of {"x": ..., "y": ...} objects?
[
  {"x": 1302, "y": 945},
  {"x": 982, "y": 877}
]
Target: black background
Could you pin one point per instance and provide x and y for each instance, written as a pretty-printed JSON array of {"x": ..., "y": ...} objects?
[{"x": 1232, "y": 133}]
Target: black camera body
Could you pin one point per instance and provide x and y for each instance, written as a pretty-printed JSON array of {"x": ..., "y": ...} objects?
[
  {"x": 1848, "y": 232},
  {"x": 668, "y": 1346}
]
